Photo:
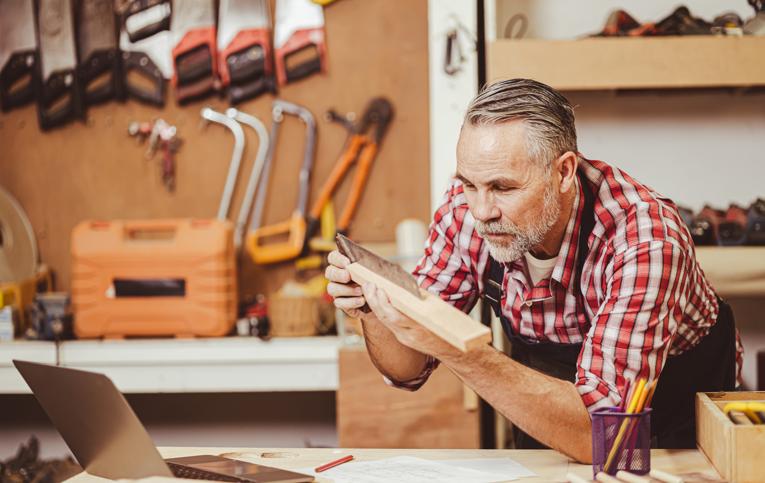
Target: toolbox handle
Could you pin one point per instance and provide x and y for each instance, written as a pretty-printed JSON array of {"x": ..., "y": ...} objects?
[{"x": 149, "y": 230}]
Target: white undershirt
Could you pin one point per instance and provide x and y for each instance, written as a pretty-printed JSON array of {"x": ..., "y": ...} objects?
[{"x": 539, "y": 269}]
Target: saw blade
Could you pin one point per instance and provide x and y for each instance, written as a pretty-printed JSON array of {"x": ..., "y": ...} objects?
[{"x": 393, "y": 272}]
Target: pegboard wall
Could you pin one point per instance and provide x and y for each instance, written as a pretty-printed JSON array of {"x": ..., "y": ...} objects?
[{"x": 94, "y": 170}]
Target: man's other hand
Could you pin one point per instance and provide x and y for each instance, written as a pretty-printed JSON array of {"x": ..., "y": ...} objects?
[{"x": 347, "y": 294}]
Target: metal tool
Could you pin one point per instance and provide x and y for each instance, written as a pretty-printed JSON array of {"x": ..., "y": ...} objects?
[
  {"x": 257, "y": 169},
  {"x": 97, "y": 44},
  {"x": 245, "y": 61},
  {"x": 145, "y": 43},
  {"x": 294, "y": 227},
  {"x": 299, "y": 28},
  {"x": 18, "y": 53},
  {"x": 393, "y": 272},
  {"x": 195, "y": 69},
  {"x": 18, "y": 248},
  {"x": 236, "y": 157},
  {"x": 364, "y": 139},
  {"x": 58, "y": 101}
]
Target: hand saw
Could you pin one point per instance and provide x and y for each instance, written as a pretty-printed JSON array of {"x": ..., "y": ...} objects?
[
  {"x": 195, "y": 70},
  {"x": 59, "y": 100},
  {"x": 428, "y": 310},
  {"x": 299, "y": 29},
  {"x": 99, "y": 69},
  {"x": 145, "y": 46},
  {"x": 295, "y": 227},
  {"x": 18, "y": 53},
  {"x": 245, "y": 61}
]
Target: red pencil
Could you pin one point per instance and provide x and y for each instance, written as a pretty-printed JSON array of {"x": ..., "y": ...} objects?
[{"x": 332, "y": 464}]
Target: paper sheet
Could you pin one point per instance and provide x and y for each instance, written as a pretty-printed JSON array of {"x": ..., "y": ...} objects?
[
  {"x": 408, "y": 469},
  {"x": 505, "y": 468}
]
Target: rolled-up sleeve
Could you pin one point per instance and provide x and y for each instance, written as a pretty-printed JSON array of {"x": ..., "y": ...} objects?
[{"x": 631, "y": 333}]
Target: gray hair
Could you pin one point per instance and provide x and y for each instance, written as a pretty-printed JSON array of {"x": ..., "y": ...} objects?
[{"x": 547, "y": 115}]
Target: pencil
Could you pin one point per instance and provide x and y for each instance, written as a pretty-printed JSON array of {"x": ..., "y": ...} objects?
[
  {"x": 640, "y": 394},
  {"x": 666, "y": 477},
  {"x": 631, "y": 478},
  {"x": 332, "y": 464}
]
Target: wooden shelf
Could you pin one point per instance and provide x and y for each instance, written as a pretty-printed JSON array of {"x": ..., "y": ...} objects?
[
  {"x": 631, "y": 63},
  {"x": 226, "y": 364},
  {"x": 734, "y": 271}
]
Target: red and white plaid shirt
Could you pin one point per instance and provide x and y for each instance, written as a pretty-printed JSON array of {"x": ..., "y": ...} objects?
[{"x": 645, "y": 295}]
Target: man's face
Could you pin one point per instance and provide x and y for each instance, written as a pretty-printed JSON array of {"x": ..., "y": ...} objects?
[{"x": 511, "y": 197}]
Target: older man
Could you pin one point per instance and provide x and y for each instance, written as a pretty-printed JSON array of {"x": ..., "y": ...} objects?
[{"x": 592, "y": 274}]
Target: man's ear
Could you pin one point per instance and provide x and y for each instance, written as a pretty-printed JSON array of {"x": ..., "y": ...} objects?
[{"x": 565, "y": 170}]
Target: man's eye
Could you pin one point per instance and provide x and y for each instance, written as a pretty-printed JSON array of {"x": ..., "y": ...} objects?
[
  {"x": 503, "y": 189},
  {"x": 468, "y": 186}
]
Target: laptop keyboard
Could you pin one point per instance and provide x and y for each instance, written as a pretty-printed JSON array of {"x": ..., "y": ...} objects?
[{"x": 190, "y": 473}]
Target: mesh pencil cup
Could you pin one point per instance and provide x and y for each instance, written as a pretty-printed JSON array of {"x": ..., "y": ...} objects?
[{"x": 621, "y": 441}]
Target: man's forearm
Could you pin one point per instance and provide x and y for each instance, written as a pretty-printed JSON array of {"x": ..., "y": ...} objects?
[
  {"x": 392, "y": 358},
  {"x": 548, "y": 409}
]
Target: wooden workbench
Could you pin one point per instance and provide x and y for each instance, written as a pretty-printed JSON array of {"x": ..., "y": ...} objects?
[{"x": 547, "y": 464}]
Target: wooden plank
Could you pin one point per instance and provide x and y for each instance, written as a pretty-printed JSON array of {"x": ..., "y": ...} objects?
[
  {"x": 371, "y": 414},
  {"x": 455, "y": 327},
  {"x": 631, "y": 63}
]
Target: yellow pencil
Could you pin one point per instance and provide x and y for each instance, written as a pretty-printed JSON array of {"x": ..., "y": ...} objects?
[{"x": 638, "y": 397}]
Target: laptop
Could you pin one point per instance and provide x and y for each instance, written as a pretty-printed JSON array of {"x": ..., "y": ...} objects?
[{"x": 108, "y": 440}]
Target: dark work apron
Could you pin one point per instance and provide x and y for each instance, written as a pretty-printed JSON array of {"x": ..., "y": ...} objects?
[{"x": 709, "y": 366}]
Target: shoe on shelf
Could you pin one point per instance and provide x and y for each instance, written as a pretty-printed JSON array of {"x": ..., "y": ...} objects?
[
  {"x": 686, "y": 214},
  {"x": 681, "y": 22},
  {"x": 704, "y": 226},
  {"x": 732, "y": 229},
  {"x": 755, "y": 223},
  {"x": 728, "y": 23},
  {"x": 618, "y": 24}
]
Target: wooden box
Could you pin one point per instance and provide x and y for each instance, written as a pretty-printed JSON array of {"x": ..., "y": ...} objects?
[
  {"x": 371, "y": 414},
  {"x": 736, "y": 451}
]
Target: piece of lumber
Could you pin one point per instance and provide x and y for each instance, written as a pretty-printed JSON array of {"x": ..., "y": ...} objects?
[{"x": 447, "y": 322}]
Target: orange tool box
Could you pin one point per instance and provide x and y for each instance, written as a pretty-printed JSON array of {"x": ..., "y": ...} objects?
[{"x": 153, "y": 278}]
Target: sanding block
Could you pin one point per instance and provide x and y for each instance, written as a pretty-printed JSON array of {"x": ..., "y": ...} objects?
[{"x": 447, "y": 322}]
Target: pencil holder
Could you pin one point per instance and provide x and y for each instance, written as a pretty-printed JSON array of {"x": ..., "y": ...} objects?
[{"x": 621, "y": 441}]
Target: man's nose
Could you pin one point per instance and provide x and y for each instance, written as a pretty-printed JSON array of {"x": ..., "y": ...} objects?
[{"x": 484, "y": 208}]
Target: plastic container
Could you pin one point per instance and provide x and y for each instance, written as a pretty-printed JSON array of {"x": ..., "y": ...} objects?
[
  {"x": 173, "y": 277},
  {"x": 626, "y": 436}
]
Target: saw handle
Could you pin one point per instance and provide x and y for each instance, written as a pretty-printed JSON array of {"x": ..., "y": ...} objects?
[
  {"x": 241, "y": 93},
  {"x": 295, "y": 228},
  {"x": 59, "y": 101},
  {"x": 99, "y": 64},
  {"x": 13, "y": 92},
  {"x": 142, "y": 65},
  {"x": 300, "y": 41}
]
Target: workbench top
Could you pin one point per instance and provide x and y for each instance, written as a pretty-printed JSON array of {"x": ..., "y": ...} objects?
[{"x": 549, "y": 465}]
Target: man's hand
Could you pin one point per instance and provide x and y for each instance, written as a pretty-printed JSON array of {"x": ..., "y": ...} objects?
[
  {"x": 346, "y": 293},
  {"x": 406, "y": 330}
]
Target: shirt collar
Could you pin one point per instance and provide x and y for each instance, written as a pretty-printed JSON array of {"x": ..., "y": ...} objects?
[{"x": 563, "y": 272}]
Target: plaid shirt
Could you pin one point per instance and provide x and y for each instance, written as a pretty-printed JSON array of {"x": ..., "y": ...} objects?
[{"x": 643, "y": 295}]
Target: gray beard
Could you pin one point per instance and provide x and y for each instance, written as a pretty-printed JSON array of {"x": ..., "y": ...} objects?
[{"x": 522, "y": 240}]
